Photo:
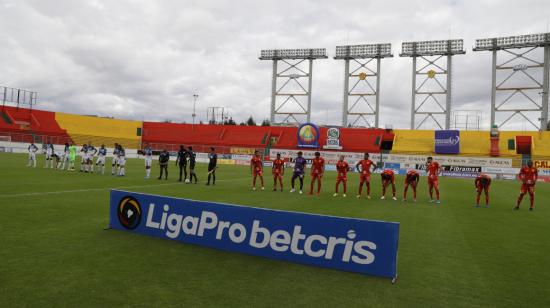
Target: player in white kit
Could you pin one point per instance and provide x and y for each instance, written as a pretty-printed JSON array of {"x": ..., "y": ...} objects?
[
  {"x": 49, "y": 152},
  {"x": 121, "y": 161},
  {"x": 114, "y": 161},
  {"x": 32, "y": 155},
  {"x": 90, "y": 152},
  {"x": 65, "y": 158},
  {"x": 148, "y": 153},
  {"x": 100, "y": 163},
  {"x": 83, "y": 157},
  {"x": 56, "y": 159}
]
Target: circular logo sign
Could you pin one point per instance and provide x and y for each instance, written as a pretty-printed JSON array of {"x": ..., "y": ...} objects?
[
  {"x": 308, "y": 135},
  {"x": 129, "y": 212},
  {"x": 333, "y": 133},
  {"x": 362, "y": 76},
  {"x": 431, "y": 74}
]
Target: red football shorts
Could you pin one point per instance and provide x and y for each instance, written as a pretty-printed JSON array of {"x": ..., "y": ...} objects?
[
  {"x": 481, "y": 188},
  {"x": 527, "y": 188},
  {"x": 342, "y": 178}
]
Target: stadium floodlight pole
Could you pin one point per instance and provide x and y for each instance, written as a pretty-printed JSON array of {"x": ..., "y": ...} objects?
[
  {"x": 431, "y": 52},
  {"x": 18, "y": 97},
  {"x": 364, "y": 73},
  {"x": 291, "y": 103},
  {"x": 195, "y": 97},
  {"x": 528, "y": 44}
]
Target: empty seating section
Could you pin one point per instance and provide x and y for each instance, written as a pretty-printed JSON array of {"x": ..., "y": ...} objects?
[
  {"x": 413, "y": 141},
  {"x": 173, "y": 133},
  {"x": 85, "y": 129},
  {"x": 475, "y": 143},
  {"x": 357, "y": 140},
  {"x": 254, "y": 137},
  {"x": 25, "y": 125}
]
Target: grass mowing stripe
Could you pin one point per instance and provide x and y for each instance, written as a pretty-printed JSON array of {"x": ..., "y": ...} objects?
[{"x": 96, "y": 189}]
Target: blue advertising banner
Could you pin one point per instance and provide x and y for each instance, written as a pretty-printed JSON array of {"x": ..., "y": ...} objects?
[
  {"x": 348, "y": 244},
  {"x": 447, "y": 141}
]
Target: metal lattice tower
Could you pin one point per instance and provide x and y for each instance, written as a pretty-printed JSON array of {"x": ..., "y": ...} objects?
[
  {"x": 18, "y": 97},
  {"x": 291, "y": 101},
  {"x": 430, "y": 103},
  {"x": 365, "y": 61},
  {"x": 528, "y": 44},
  {"x": 217, "y": 115}
]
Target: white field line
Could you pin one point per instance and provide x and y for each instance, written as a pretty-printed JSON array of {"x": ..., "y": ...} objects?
[{"x": 100, "y": 189}]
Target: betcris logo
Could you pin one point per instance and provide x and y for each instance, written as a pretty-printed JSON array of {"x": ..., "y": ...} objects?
[
  {"x": 357, "y": 245},
  {"x": 447, "y": 141}
]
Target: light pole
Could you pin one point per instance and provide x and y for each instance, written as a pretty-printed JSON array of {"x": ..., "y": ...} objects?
[
  {"x": 508, "y": 85},
  {"x": 364, "y": 61},
  {"x": 195, "y": 97},
  {"x": 295, "y": 100}
]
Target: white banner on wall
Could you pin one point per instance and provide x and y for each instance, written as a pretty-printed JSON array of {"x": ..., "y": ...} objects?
[{"x": 411, "y": 160}]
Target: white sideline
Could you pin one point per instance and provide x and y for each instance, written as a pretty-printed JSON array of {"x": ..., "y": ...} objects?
[{"x": 99, "y": 189}]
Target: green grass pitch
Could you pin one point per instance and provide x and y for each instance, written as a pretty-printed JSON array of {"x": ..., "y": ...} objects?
[{"x": 54, "y": 251}]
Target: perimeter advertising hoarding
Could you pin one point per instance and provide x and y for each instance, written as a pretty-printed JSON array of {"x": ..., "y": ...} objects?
[{"x": 348, "y": 244}]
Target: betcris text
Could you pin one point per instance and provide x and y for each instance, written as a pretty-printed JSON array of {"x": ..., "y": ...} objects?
[{"x": 208, "y": 225}]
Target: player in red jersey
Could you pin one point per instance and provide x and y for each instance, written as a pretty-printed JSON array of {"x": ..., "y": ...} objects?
[
  {"x": 411, "y": 179},
  {"x": 433, "y": 169},
  {"x": 256, "y": 168},
  {"x": 317, "y": 171},
  {"x": 482, "y": 184},
  {"x": 365, "y": 171},
  {"x": 388, "y": 177},
  {"x": 342, "y": 168},
  {"x": 528, "y": 175},
  {"x": 278, "y": 171}
]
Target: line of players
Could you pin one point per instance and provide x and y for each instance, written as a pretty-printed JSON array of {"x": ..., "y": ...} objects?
[
  {"x": 528, "y": 176},
  {"x": 66, "y": 159}
]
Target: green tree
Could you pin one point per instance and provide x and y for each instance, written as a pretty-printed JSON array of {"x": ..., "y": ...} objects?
[{"x": 250, "y": 121}]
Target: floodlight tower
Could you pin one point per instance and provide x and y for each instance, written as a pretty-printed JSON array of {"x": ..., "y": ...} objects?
[
  {"x": 18, "y": 97},
  {"x": 291, "y": 74},
  {"x": 366, "y": 61},
  {"x": 430, "y": 52},
  {"x": 216, "y": 115},
  {"x": 529, "y": 43}
]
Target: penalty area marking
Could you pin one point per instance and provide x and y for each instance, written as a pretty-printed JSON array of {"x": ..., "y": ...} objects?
[{"x": 98, "y": 189}]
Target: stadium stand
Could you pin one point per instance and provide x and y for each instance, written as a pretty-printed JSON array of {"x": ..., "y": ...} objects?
[
  {"x": 85, "y": 129},
  {"x": 22, "y": 125},
  {"x": 252, "y": 136},
  {"x": 37, "y": 126}
]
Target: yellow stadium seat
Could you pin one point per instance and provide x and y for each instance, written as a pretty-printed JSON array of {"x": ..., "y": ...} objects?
[{"x": 86, "y": 129}]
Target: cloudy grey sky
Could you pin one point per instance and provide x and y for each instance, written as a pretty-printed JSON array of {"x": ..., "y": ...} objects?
[{"x": 139, "y": 59}]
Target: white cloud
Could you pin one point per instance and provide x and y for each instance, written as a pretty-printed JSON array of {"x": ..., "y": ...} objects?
[{"x": 146, "y": 59}]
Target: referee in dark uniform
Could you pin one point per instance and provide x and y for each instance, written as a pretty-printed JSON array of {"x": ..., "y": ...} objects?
[
  {"x": 212, "y": 166},
  {"x": 181, "y": 161},
  {"x": 192, "y": 161},
  {"x": 164, "y": 157}
]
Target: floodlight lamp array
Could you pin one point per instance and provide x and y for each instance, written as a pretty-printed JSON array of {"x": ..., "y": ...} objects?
[
  {"x": 518, "y": 41},
  {"x": 432, "y": 48},
  {"x": 363, "y": 51},
  {"x": 309, "y": 53}
]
